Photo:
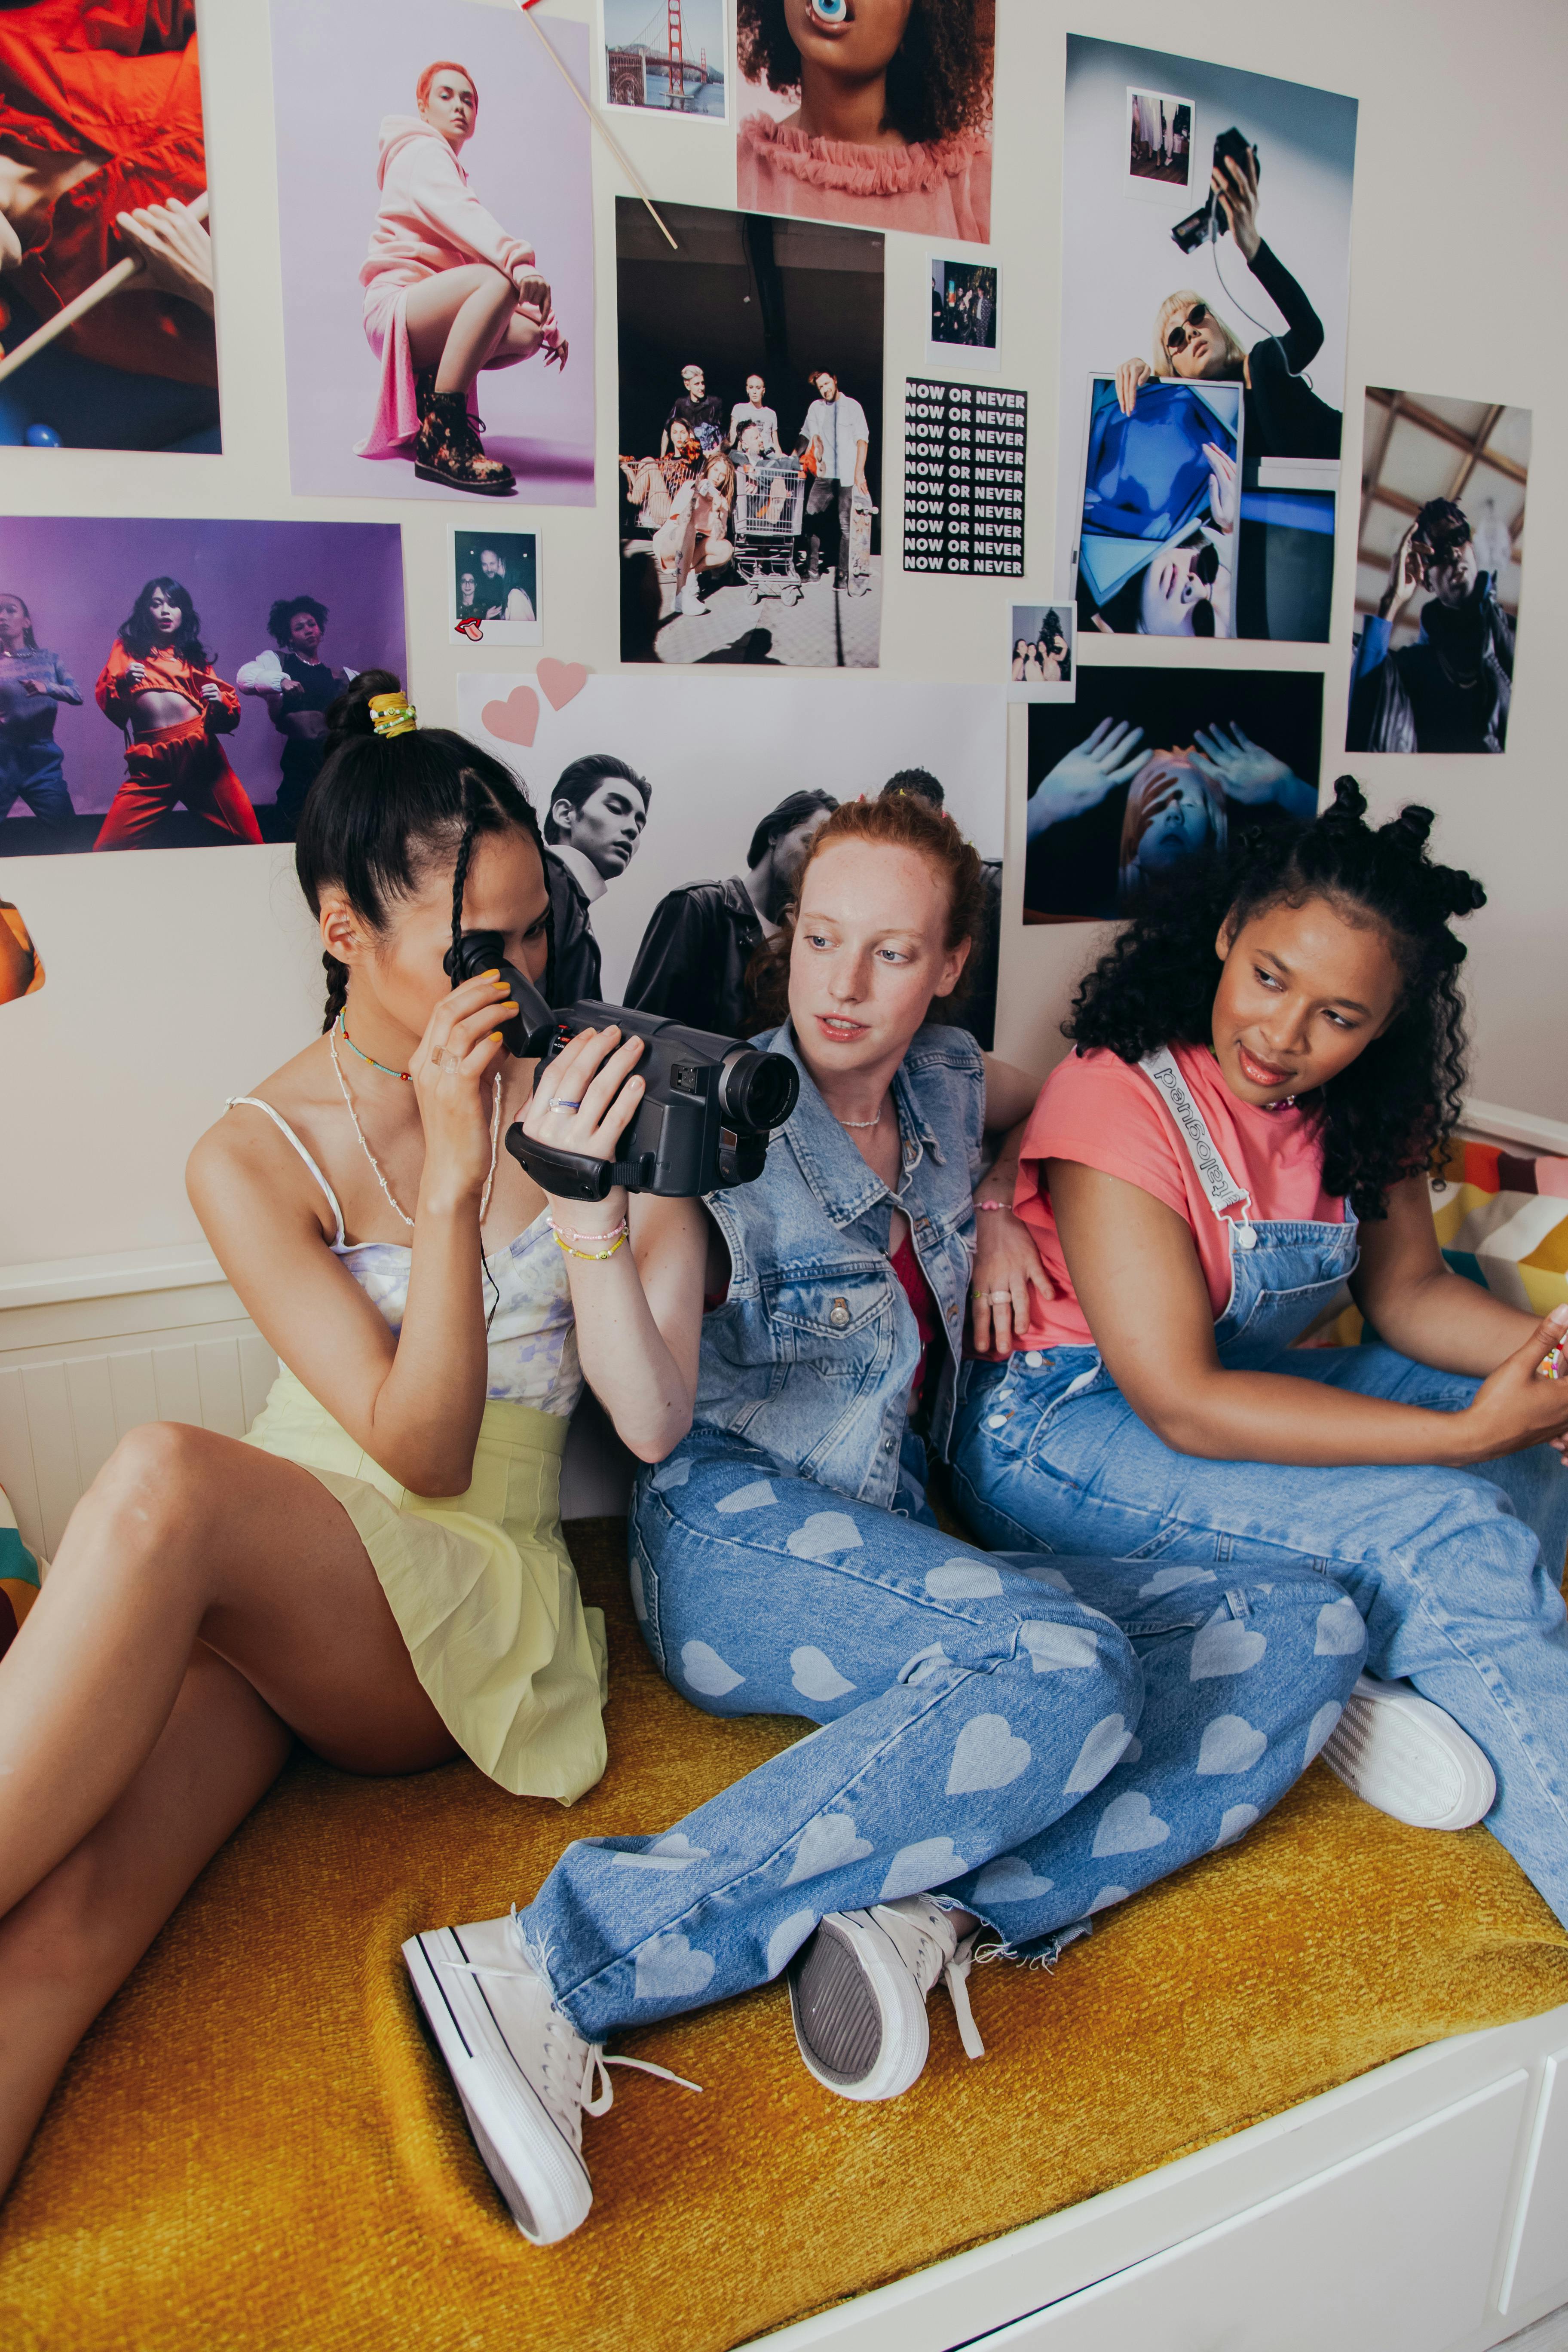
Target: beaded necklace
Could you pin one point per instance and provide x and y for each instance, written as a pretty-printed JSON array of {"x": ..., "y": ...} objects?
[
  {"x": 385, "y": 1069},
  {"x": 375, "y": 1169}
]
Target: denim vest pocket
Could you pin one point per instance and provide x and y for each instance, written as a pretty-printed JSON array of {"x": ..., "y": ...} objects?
[{"x": 837, "y": 1317}]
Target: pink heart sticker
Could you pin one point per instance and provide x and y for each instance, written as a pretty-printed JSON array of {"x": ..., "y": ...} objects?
[
  {"x": 559, "y": 681},
  {"x": 516, "y": 719}
]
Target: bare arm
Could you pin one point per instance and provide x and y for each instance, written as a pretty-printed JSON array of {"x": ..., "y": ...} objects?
[
  {"x": 1418, "y": 1304},
  {"x": 415, "y": 1401},
  {"x": 1005, "y": 1257},
  {"x": 639, "y": 1305},
  {"x": 1135, "y": 1270}
]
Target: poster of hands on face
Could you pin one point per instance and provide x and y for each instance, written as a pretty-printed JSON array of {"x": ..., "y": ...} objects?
[
  {"x": 105, "y": 162},
  {"x": 1144, "y": 775},
  {"x": 1205, "y": 287},
  {"x": 823, "y": 82},
  {"x": 1442, "y": 527},
  {"x": 164, "y": 684},
  {"x": 433, "y": 189},
  {"x": 751, "y": 435},
  {"x": 675, "y": 827}
]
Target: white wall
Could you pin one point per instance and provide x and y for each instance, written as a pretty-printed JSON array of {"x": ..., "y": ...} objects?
[{"x": 177, "y": 978}]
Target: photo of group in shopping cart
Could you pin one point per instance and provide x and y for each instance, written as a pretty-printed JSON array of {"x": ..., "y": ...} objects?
[{"x": 751, "y": 412}]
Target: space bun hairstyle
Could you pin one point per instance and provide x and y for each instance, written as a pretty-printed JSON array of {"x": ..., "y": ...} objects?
[
  {"x": 1388, "y": 1114},
  {"x": 387, "y": 810}
]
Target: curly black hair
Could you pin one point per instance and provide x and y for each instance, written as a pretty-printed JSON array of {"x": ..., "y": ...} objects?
[
  {"x": 1389, "y": 1113},
  {"x": 938, "y": 84}
]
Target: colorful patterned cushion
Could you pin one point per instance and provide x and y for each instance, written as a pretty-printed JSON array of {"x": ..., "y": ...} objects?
[{"x": 19, "y": 1576}]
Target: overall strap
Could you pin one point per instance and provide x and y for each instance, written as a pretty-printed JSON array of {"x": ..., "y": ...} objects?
[
  {"x": 1219, "y": 1185},
  {"x": 254, "y": 1102}
]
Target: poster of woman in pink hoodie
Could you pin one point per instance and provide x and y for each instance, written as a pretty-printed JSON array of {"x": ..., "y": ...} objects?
[{"x": 415, "y": 296}]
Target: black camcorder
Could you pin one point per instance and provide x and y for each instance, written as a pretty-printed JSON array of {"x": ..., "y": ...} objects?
[
  {"x": 708, "y": 1105},
  {"x": 1206, "y": 225}
]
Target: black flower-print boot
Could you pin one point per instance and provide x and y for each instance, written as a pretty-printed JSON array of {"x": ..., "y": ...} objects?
[{"x": 448, "y": 450}]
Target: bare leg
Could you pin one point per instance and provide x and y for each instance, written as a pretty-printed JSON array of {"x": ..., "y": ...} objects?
[
  {"x": 458, "y": 319},
  {"x": 68, "y": 1945},
  {"x": 521, "y": 340},
  {"x": 185, "y": 1536}
]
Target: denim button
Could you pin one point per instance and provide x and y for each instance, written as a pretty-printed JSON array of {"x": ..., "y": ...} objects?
[
  {"x": 996, "y": 1421},
  {"x": 838, "y": 1314},
  {"x": 887, "y": 1444},
  {"x": 1034, "y": 1359}
]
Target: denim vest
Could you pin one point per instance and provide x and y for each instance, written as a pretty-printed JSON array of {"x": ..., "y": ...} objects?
[{"x": 813, "y": 1350}]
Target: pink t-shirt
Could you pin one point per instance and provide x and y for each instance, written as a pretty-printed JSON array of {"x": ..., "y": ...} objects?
[{"x": 1104, "y": 1113}]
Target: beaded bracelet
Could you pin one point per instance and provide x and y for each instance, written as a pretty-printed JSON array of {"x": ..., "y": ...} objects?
[
  {"x": 562, "y": 1244},
  {"x": 996, "y": 1204},
  {"x": 610, "y": 1234}
]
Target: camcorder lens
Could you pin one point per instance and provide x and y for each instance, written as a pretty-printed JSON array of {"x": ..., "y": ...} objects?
[{"x": 758, "y": 1091}]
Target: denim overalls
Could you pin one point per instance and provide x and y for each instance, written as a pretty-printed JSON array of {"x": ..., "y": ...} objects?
[
  {"x": 1034, "y": 1739},
  {"x": 1454, "y": 1573}
]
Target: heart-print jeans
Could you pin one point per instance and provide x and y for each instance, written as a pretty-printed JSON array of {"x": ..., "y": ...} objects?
[{"x": 1032, "y": 1739}]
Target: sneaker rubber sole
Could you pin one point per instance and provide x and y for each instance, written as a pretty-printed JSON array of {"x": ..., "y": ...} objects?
[
  {"x": 859, "y": 2017},
  {"x": 1401, "y": 1753},
  {"x": 541, "y": 2176}
]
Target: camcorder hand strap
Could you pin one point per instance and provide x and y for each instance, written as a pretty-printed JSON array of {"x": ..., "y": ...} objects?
[{"x": 575, "y": 1175}]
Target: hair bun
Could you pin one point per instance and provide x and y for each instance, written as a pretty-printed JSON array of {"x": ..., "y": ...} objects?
[
  {"x": 1350, "y": 801},
  {"x": 351, "y": 713},
  {"x": 1413, "y": 824}
]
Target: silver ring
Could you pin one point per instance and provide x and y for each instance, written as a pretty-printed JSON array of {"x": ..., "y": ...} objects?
[
  {"x": 557, "y": 1104},
  {"x": 997, "y": 1297},
  {"x": 445, "y": 1060}
]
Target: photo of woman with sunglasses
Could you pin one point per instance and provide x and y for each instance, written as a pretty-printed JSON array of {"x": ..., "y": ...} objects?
[{"x": 1282, "y": 416}]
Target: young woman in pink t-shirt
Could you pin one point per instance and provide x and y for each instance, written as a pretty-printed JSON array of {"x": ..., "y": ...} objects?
[{"x": 1266, "y": 1070}]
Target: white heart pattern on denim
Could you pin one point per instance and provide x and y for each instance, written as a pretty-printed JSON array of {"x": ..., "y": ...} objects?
[
  {"x": 1340, "y": 1630},
  {"x": 1057, "y": 1648},
  {"x": 668, "y": 1967},
  {"x": 986, "y": 1755},
  {"x": 1009, "y": 1879},
  {"x": 913, "y": 1868},
  {"x": 814, "y": 1675},
  {"x": 1129, "y": 1825},
  {"x": 1317, "y": 1731},
  {"x": 829, "y": 1842},
  {"x": 706, "y": 1671},
  {"x": 787, "y": 1939},
  {"x": 1226, "y": 1646},
  {"x": 675, "y": 1851},
  {"x": 671, "y": 1474},
  {"x": 1171, "y": 1579},
  {"x": 963, "y": 1579},
  {"x": 824, "y": 1533},
  {"x": 1104, "y": 1748},
  {"x": 754, "y": 1498},
  {"x": 1235, "y": 1823},
  {"x": 1230, "y": 1744}
]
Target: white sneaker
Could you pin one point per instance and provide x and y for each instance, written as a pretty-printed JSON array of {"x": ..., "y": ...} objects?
[
  {"x": 858, "y": 1994},
  {"x": 1399, "y": 1752},
  {"x": 525, "y": 2075},
  {"x": 691, "y": 605}
]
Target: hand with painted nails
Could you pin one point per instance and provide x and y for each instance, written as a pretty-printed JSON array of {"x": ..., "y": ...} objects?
[
  {"x": 452, "y": 1072},
  {"x": 583, "y": 1101}
]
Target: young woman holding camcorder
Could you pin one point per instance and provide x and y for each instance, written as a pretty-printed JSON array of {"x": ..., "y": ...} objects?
[
  {"x": 378, "y": 1569},
  {"x": 784, "y": 1560}
]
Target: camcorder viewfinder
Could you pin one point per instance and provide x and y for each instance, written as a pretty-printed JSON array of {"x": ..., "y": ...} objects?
[
  {"x": 1206, "y": 225},
  {"x": 708, "y": 1107}
]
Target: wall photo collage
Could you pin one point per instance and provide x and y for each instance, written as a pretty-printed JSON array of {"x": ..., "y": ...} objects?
[{"x": 165, "y": 684}]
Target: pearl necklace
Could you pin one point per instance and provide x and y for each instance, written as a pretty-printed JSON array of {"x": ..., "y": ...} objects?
[{"x": 375, "y": 1169}]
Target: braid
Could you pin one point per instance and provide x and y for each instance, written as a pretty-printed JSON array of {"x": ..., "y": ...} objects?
[{"x": 337, "y": 988}]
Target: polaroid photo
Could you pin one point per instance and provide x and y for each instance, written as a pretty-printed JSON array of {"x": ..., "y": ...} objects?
[
  {"x": 1042, "y": 652},
  {"x": 965, "y": 311},
  {"x": 669, "y": 57},
  {"x": 1159, "y": 509},
  {"x": 1159, "y": 150},
  {"x": 493, "y": 586}
]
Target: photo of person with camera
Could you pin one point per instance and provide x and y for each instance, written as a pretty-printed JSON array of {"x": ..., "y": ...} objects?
[
  {"x": 1451, "y": 691},
  {"x": 1250, "y": 288}
]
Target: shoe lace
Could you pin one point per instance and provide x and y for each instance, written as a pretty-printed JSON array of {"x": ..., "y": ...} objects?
[
  {"x": 931, "y": 1959},
  {"x": 576, "y": 2071}
]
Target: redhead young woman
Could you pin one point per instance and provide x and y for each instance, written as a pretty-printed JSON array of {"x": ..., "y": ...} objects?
[
  {"x": 974, "y": 1764},
  {"x": 378, "y": 1569},
  {"x": 1262, "y": 1063},
  {"x": 447, "y": 292}
]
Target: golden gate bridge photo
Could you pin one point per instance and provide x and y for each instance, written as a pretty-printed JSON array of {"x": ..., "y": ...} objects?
[{"x": 666, "y": 54}]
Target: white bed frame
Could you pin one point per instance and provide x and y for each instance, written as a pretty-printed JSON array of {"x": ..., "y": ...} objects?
[{"x": 1422, "y": 2208}]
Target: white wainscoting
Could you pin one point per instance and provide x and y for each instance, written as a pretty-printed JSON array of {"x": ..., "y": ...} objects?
[{"x": 91, "y": 1348}]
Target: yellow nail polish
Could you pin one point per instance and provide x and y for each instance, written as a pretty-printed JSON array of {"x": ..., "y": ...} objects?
[
  {"x": 495, "y": 1036},
  {"x": 491, "y": 975}
]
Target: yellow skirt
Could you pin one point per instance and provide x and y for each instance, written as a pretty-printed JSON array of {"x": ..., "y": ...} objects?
[{"x": 481, "y": 1586}]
